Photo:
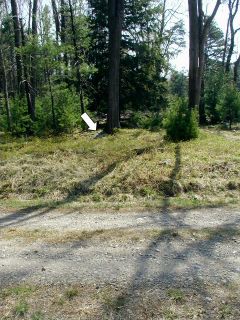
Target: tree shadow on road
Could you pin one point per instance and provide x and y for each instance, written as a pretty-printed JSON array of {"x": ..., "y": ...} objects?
[{"x": 128, "y": 303}]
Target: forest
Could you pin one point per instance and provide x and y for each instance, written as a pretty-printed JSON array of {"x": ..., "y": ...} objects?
[{"x": 112, "y": 59}]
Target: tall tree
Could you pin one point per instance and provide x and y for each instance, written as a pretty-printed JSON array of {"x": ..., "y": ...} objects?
[
  {"x": 233, "y": 6},
  {"x": 5, "y": 89},
  {"x": 56, "y": 19},
  {"x": 79, "y": 88},
  {"x": 17, "y": 41},
  {"x": 33, "y": 71},
  {"x": 213, "y": 79},
  {"x": 199, "y": 26},
  {"x": 236, "y": 70},
  {"x": 26, "y": 82},
  {"x": 115, "y": 22}
]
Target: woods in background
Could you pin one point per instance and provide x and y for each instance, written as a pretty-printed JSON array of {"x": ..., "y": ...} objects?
[{"x": 62, "y": 58}]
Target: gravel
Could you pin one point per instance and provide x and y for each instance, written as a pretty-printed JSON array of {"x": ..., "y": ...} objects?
[{"x": 165, "y": 260}]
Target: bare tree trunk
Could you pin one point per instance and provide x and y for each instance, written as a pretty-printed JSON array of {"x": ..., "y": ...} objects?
[
  {"x": 162, "y": 26},
  {"x": 79, "y": 87},
  {"x": 193, "y": 53},
  {"x": 52, "y": 98},
  {"x": 233, "y": 9},
  {"x": 34, "y": 17},
  {"x": 198, "y": 33},
  {"x": 225, "y": 43},
  {"x": 63, "y": 29},
  {"x": 5, "y": 88},
  {"x": 33, "y": 63},
  {"x": 56, "y": 19},
  {"x": 115, "y": 20},
  {"x": 236, "y": 69},
  {"x": 17, "y": 41},
  {"x": 29, "y": 15},
  {"x": 31, "y": 109}
]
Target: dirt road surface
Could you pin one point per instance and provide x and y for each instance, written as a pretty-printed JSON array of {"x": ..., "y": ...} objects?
[
  {"x": 162, "y": 264},
  {"x": 159, "y": 257}
]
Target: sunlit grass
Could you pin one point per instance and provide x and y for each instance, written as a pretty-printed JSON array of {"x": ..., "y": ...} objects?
[
  {"x": 132, "y": 167},
  {"x": 120, "y": 302}
]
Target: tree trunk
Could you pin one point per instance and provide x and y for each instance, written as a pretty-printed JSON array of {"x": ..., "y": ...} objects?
[
  {"x": 29, "y": 15},
  {"x": 236, "y": 68},
  {"x": 202, "y": 113},
  {"x": 5, "y": 88},
  {"x": 198, "y": 33},
  {"x": 76, "y": 59},
  {"x": 63, "y": 29},
  {"x": 225, "y": 44},
  {"x": 56, "y": 19},
  {"x": 162, "y": 26},
  {"x": 115, "y": 20},
  {"x": 34, "y": 17},
  {"x": 233, "y": 9},
  {"x": 31, "y": 109},
  {"x": 17, "y": 41},
  {"x": 193, "y": 53},
  {"x": 52, "y": 98},
  {"x": 33, "y": 57}
]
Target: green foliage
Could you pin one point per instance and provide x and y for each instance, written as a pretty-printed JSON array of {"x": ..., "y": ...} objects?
[
  {"x": 38, "y": 315},
  {"x": 181, "y": 123},
  {"x": 143, "y": 64},
  {"x": 22, "y": 124},
  {"x": 214, "y": 77},
  {"x": 229, "y": 104},
  {"x": 67, "y": 109},
  {"x": 151, "y": 121},
  {"x": 214, "y": 82},
  {"x": 178, "y": 84},
  {"x": 21, "y": 309},
  {"x": 71, "y": 293},
  {"x": 176, "y": 295}
]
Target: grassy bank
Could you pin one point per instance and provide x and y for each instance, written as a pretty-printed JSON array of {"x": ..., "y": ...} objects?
[{"x": 132, "y": 168}]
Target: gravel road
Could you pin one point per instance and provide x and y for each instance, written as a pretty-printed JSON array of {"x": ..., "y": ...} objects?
[{"x": 165, "y": 259}]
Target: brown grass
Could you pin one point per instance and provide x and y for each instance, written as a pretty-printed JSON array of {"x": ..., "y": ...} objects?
[
  {"x": 129, "y": 168},
  {"x": 116, "y": 235},
  {"x": 119, "y": 302}
]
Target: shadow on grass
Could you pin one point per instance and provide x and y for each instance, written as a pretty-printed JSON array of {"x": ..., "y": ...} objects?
[{"x": 82, "y": 188}]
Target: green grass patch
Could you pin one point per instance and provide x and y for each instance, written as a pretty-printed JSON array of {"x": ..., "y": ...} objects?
[
  {"x": 176, "y": 295},
  {"x": 71, "y": 293},
  {"x": 21, "y": 309}
]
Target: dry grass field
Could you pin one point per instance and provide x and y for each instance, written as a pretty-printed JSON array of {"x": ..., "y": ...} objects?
[{"x": 133, "y": 168}]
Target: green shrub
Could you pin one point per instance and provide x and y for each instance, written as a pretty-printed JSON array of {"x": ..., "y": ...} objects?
[
  {"x": 22, "y": 123},
  {"x": 229, "y": 105},
  {"x": 151, "y": 121},
  {"x": 181, "y": 124},
  {"x": 66, "y": 109}
]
